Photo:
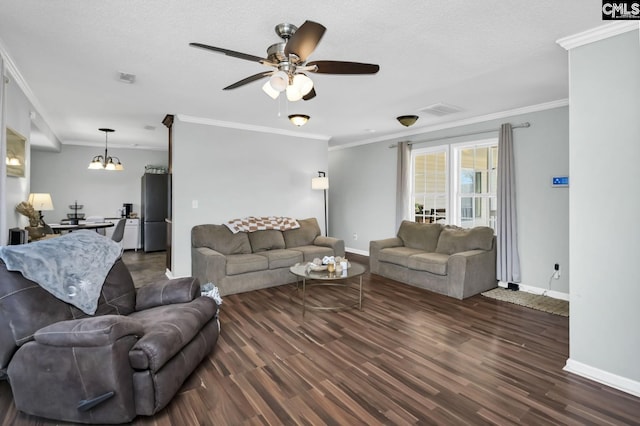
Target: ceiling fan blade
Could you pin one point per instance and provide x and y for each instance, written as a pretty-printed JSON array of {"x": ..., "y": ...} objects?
[
  {"x": 340, "y": 67},
  {"x": 310, "y": 95},
  {"x": 305, "y": 40},
  {"x": 228, "y": 52},
  {"x": 249, "y": 79}
]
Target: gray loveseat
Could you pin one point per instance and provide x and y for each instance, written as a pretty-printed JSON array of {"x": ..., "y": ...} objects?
[
  {"x": 247, "y": 261},
  {"x": 444, "y": 259}
]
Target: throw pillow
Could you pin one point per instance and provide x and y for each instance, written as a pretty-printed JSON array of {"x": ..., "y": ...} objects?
[{"x": 455, "y": 240}]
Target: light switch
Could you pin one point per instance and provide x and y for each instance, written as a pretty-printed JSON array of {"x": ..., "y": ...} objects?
[{"x": 194, "y": 204}]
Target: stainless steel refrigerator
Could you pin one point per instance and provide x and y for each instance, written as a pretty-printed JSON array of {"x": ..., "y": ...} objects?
[{"x": 155, "y": 195}]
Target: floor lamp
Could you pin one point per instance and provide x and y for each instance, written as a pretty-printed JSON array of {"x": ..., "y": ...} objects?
[{"x": 322, "y": 182}]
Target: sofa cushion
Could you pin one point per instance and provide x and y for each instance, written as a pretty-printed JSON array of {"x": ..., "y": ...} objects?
[
  {"x": 167, "y": 330},
  {"x": 311, "y": 252},
  {"x": 220, "y": 239},
  {"x": 282, "y": 258},
  {"x": 422, "y": 236},
  {"x": 304, "y": 235},
  {"x": 266, "y": 240},
  {"x": 241, "y": 263},
  {"x": 397, "y": 255},
  {"x": 436, "y": 263},
  {"x": 455, "y": 240}
]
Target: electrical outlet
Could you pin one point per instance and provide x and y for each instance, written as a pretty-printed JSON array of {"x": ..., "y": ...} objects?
[
  {"x": 355, "y": 236},
  {"x": 556, "y": 271}
]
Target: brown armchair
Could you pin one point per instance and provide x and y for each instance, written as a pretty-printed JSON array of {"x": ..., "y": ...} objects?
[{"x": 128, "y": 359}]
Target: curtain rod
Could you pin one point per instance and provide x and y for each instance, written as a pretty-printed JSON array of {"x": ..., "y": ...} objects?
[{"x": 517, "y": 126}]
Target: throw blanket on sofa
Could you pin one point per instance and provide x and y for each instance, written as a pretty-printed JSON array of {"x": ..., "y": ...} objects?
[
  {"x": 72, "y": 267},
  {"x": 252, "y": 224}
]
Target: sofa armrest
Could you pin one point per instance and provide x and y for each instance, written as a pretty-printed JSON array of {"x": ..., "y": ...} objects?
[
  {"x": 471, "y": 272},
  {"x": 374, "y": 250},
  {"x": 78, "y": 371},
  {"x": 208, "y": 265},
  {"x": 167, "y": 292},
  {"x": 335, "y": 244},
  {"x": 88, "y": 332}
]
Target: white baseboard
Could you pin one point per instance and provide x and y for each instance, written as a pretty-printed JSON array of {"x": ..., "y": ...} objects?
[
  {"x": 537, "y": 290},
  {"x": 613, "y": 380},
  {"x": 356, "y": 251}
]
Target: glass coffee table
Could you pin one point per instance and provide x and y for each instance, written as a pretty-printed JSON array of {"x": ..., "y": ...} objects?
[{"x": 327, "y": 279}]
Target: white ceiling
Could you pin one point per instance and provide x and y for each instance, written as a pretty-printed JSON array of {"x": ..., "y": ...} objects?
[{"x": 483, "y": 56}]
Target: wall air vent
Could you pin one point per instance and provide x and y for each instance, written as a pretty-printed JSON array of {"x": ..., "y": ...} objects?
[{"x": 440, "y": 109}]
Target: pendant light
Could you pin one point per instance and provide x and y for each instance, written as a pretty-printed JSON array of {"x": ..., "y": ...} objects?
[{"x": 106, "y": 162}]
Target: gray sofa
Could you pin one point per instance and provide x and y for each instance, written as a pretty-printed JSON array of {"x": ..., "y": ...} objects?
[
  {"x": 247, "y": 261},
  {"x": 444, "y": 259}
]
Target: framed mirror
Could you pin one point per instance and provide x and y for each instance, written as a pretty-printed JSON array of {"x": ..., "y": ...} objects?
[{"x": 15, "y": 154}]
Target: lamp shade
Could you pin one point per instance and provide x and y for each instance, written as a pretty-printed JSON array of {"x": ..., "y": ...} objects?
[
  {"x": 320, "y": 182},
  {"x": 279, "y": 81},
  {"x": 41, "y": 201},
  {"x": 270, "y": 90}
]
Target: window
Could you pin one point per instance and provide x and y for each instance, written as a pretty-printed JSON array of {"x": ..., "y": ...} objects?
[
  {"x": 430, "y": 193},
  {"x": 476, "y": 166},
  {"x": 471, "y": 173}
]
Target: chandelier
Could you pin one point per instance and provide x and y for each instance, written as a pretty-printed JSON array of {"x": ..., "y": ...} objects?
[{"x": 106, "y": 162}]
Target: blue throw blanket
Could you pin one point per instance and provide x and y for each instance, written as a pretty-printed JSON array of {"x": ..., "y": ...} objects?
[{"x": 72, "y": 267}]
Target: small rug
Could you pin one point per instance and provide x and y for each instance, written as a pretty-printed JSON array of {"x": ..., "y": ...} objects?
[{"x": 530, "y": 300}]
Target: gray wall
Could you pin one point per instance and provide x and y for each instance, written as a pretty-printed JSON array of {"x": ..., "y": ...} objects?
[
  {"x": 604, "y": 154},
  {"x": 234, "y": 173},
  {"x": 65, "y": 176},
  {"x": 362, "y": 192},
  {"x": 17, "y": 118}
]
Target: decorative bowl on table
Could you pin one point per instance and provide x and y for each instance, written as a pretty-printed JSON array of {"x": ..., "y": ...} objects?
[{"x": 316, "y": 268}]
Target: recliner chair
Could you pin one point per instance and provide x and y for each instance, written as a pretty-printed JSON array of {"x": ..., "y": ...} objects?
[{"x": 128, "y": 359}]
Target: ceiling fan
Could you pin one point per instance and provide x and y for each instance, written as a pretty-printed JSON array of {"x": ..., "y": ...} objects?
[{"x": 288, "y": 59}]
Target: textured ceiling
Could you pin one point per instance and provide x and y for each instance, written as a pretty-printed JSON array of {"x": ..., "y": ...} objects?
[{"x": 484, "y": 57}]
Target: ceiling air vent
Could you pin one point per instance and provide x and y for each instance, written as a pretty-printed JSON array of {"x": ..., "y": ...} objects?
[
  {"x": 124, "y": 77},
  {"x": 440, "y": 109}
]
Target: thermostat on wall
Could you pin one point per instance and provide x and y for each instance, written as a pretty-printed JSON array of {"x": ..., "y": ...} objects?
[{"x": 560, "y": 181}]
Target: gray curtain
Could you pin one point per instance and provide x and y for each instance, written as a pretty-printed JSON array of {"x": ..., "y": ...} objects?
[
  {"x": 508, "y": 264},
  {"x": 403, "y": 182}
]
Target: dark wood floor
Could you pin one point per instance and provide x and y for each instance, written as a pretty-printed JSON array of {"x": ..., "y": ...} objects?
[{"x": 409, "y": 357}]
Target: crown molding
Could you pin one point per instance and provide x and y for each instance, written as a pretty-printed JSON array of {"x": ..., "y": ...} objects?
[
  {"x": 248, "y": 127},
  {"x": 597, "y": 34},
  {"x": 11, "y": 67},
  {"x": 459, "y": 123}
]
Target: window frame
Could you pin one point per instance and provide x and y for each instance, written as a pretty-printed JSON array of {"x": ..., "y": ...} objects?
[
  {"x": 455, "y": 201},
  {"x": 431, "y": 150},
  {"x": 452, "y": 175}
]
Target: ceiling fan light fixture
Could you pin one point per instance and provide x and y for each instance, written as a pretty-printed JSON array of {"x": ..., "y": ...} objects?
[
  {"x": 279, "y": 81},
  {"x": 293, "y": 93},
  {"x": 407, "y": 120},
  {"x": 303, "y": 83},
  {"x": 299, "y": 119},
  {"x": 266, "y": 88}
]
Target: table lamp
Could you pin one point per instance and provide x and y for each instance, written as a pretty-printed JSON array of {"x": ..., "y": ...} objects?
[{"x": 41, "y": 202}]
